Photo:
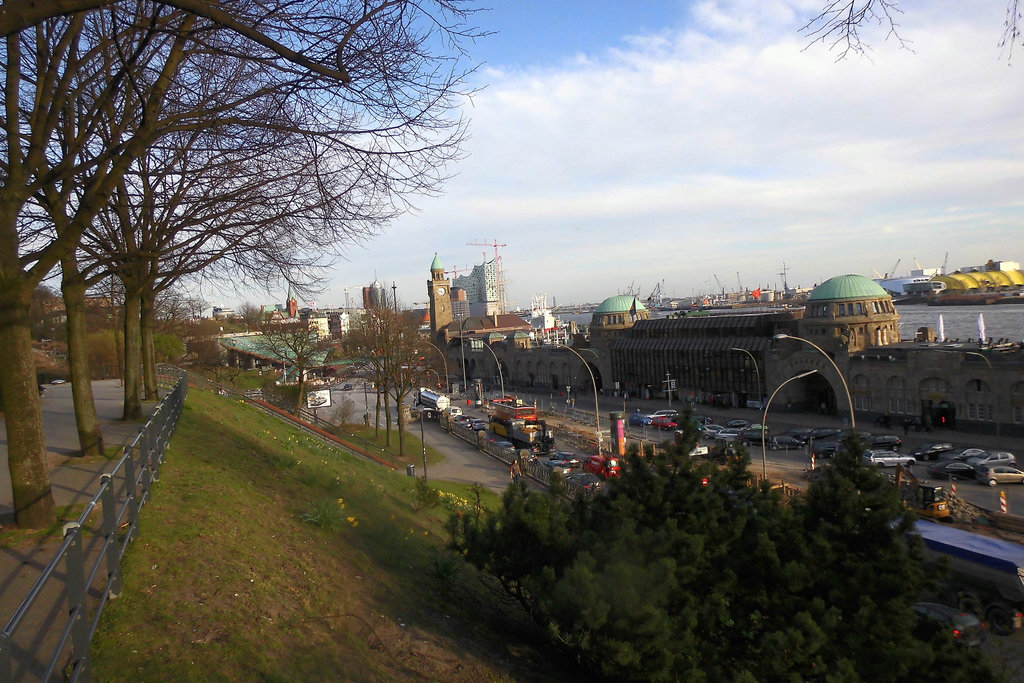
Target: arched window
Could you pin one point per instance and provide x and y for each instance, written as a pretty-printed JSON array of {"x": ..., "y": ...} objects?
[
  {"x": 899, "y": 397},
  {"x": 861, "y": 393},
  {"x": 979, "y": 399}
]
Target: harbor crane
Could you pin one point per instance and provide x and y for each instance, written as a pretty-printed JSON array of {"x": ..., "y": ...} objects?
[
  {"x": 720, "y": 285},
  {"x": 655, "y": 296}
]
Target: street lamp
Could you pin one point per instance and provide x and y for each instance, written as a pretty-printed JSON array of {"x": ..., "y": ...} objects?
[
  {"x": 445, "y": 361},
  {"x": 757, "y": 372},
  {"x": 462, "y": 351},
  {"x": 849, "y": 399},
  {"x": 500, "y": 376},
  {"x": 597, "y": 410},
  {"x": 764, "y": 421},
  {"x": 995, "y": 395}
]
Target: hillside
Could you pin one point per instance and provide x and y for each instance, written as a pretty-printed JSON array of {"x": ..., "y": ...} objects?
[{"x": 266, "y": 555}]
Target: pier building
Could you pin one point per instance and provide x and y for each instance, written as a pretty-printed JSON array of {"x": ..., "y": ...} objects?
[{"x": 848, "y": 332}]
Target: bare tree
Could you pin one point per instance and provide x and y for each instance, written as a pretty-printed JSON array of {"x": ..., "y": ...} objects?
[
  {"x": 839, "y": 24},
  {"x": 298, "y": 348},
  {"x": 369, "y": 86}
]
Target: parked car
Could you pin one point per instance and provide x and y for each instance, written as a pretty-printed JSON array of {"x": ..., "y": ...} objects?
[
  {"x": 826, "y": 449},
  {"x": 638, "y": 419},
  {"x": 738, "y": 424},
  {"x": 934, "y": 618},
  {"x": 953, "y": 468},
  {"x": 347, "y": 387},
  {"x": 710, "y": 430},
  {"x": 962, "y": 454},
  {"x": 664, "y": 422},
  {"x": 800, "y": 434},
  {"x": 992, "y": 458},
  {"x": 59, "y": 381},
  {"x": 668, "y": 412},
  {"x": 587, "y": 480},
  {"x": 881, "y": 441},
  {"x": 785, "y": 442},
  {"x": 883, "y": 458},
  {"x": 931, "y": 451},
  {"x": 729, "y": 435},
  {"x": 824, "y": 433},
  {"x": 999, "y": 474}
]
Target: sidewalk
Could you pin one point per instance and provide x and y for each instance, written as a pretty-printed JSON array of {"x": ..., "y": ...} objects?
[{"x": 74, "y": 479}]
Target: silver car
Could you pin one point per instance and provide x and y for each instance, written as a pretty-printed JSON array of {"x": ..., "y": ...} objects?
[
  {"x": 999, "y": 474},
  {"x": 992, "y": 458},
  {"x": 887, "y": 458}
]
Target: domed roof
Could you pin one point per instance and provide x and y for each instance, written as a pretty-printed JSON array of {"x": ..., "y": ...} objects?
[
  {"x": 620, "y": 304},
  {"x": 848, "y": 287},
  {"x": 436, "y": 264}
]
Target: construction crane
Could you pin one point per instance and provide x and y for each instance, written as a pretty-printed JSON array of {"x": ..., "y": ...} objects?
[
  {"x": 785, "y": 285},
  {"x": 454, "y": 272},
  {"x": 500, "y": 275},
  {"x": 720, "y": 285},
  {"x": 654, "y": 298}
]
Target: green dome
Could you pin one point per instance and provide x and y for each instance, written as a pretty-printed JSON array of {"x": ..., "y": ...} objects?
[
  {"x": 844, "y": 287},
  {"x": 620, "y": 304},
  {"x": 436, "y": 264}
]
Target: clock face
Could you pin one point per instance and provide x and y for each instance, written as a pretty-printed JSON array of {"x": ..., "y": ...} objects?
[{"x": 440, "y": 291}]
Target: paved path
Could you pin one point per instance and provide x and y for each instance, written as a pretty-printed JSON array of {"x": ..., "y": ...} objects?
[{"x": 74, "y": 479}]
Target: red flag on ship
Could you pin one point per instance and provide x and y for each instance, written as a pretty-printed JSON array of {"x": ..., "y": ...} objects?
[{"x": 756, "y": 293}]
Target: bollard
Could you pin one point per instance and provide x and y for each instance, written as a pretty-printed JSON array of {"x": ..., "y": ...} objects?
[
  {"x": 410, "y": 469},
  {"x": 1002, "y": 501}
]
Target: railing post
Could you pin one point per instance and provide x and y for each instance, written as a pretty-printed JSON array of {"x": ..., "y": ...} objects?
[
  {"x": 75, "y": 567},
  {"x": 110, "y": 535},
  {"x": 131, "y": 491},
  {"x": 5, "y": 658}
]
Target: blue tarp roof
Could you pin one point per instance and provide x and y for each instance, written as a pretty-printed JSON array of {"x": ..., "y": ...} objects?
[{"x": 992, "y": 552}]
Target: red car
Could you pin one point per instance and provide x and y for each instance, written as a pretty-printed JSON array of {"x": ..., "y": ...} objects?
[{"x": 664, "y": 422}]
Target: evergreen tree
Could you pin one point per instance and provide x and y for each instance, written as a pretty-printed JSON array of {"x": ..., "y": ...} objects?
[{"x": 688, "y": 571}]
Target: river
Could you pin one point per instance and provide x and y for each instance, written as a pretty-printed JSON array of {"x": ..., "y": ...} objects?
[{"x": 960, "y": 322}]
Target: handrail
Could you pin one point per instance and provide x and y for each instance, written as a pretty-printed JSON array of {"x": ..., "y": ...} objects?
[{"x": 91, "y": 576}]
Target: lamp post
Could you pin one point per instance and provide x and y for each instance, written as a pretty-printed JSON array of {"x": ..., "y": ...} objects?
[
  {"x": 445, "y": 361},
  {"x": 995, "y": 396},
  {"x": 423, "y": 446},
  {"x": 597, "y": 410},
  {"x": 500, "y": 376},
  {"x": 757, "y": 373},
  {"x": 462, "y": 352},
  {"x": 764, "y": 421},
  {"x": 849, "y": 399}
]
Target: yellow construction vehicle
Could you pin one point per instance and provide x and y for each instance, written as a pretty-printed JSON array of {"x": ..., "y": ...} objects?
[{"x": 929, "y": 500}]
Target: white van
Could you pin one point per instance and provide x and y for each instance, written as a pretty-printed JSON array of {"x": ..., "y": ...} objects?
[{"x": 454, "y": 411}]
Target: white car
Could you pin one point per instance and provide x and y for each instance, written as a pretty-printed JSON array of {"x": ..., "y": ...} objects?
[
  {"x": 887, "y": 458},
  {"x": 667, "y": 413}
]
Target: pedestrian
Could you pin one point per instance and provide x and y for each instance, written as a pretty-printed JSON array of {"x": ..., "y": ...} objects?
[{"x": 515, "y": 471}]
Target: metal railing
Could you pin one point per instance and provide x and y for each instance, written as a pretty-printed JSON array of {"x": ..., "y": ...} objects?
[{"x": 50, "y": 633}]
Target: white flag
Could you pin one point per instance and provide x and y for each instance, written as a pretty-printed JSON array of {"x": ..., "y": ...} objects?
[
  {"x": 942, "y": 329},
  {"x": 981, "y": 328}
]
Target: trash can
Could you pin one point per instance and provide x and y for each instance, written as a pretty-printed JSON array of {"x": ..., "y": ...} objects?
[{"x": 410, "y": 469}]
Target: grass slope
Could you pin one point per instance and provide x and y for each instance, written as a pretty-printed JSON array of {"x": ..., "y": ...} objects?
[{"x": 266, "y": 555}]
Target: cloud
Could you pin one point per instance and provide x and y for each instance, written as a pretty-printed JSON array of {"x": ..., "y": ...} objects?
[{"x": 727, "y": 144}]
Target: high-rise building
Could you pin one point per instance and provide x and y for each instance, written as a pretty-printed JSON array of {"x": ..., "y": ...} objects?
[
  {"x": 481, "y": 286},
  {"x": 373, "y": 296}
]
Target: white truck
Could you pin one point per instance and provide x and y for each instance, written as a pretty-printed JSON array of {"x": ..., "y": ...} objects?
[{"x": 432, "y": 399}]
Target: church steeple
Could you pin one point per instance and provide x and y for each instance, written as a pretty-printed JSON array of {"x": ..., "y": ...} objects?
[
  {"x": 436, "y": 268},
  {"x": 292, "y": 303}
]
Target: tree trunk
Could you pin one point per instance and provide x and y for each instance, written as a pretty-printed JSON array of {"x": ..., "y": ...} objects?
[
  {"x": 376, "y": 418},
  {"x": 26, "y": 441},
  {"x": 148, "y": 350},
  {"x": 387, "y": 420},
  {"x": 132, "y": 356},
  {"x": 90, "y": 437},
  {"x": 302, "y": 390}
]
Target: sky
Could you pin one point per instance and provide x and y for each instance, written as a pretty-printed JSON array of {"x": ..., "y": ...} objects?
[{"x": 615, "y": 146}]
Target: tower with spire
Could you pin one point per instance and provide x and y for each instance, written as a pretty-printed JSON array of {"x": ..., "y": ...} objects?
[
  {"x": 439, "y": 293},
  {"x": 292, "y": 304}
]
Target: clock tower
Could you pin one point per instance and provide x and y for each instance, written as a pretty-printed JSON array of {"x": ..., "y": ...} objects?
[{"x": 439, "y": 291}]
